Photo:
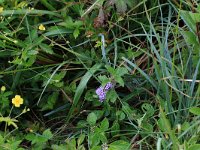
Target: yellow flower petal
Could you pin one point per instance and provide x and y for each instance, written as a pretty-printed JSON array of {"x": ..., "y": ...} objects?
[
  {"x": 17, "y": 101},
  {"x": 42, "y": 27}
]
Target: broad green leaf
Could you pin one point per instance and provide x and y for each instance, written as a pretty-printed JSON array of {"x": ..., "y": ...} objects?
[
  {"x": 190, "y": 37},
  {"x": 104, "y": 80},
  {"x": 189, "y": 19},
  {"x": 195, "y": 110},
  {"x": 112, "y": 95},
  {"x": 194, "y": 147},
  {"x": 119, "y": 80},
  {"x": 50, "y": 101},
  {"x": 80, "y": 139},
  {"x": 58, "y": 147},
  {"x": 121, "y": 71},
  {"x": 119, "y": 145},
  {"x": 96, "y": 148},
  {"x": 47, "y": 134},
  {"x": 115, "y": 129},
  {"x": 110, "y": 70},
  {"x": 71, "y": 144},
  {"x": 92, "y": 118},
  {"x": 104, "y": 124},
  {"x": 94, "y": 139}
]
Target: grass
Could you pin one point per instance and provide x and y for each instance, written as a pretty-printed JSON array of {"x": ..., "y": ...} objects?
[{"x": 148, "y": 50}]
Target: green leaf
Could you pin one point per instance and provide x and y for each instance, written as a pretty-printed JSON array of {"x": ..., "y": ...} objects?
[
  {"x": 50, "y": 101},
  {"x": 58, "y": 147},
  {"x": 9, "y": 121},
  {"x": 194, "y": 147},
  {"x": 102, "y": 137},
  {"x": 104, "y": 124},
  {"x": 76, "y": 33},
  {"x": 71, "y": 144},
  {"x": 121, "y": 71},
  {"x": 96, "y": 148},
  {"x": 148, "y": 109},
  {"x": 112, "y": 95},
  {"x": 46, "y": 48},
  {"x": 195, "y": 110},
  {"x": 81, "y": 139},
  {"x": 120, "y": 115},
  {"x": 94, "y": 139},
  {"x": 13, "y": 145},
  {"x": 1, "y": 139},
  {"x": 119, "y": 145},
  {"x": 104, "y": 80},
  {"x": 92, "y": 118},
  {"x": 47, "y": 134},
  {"x": 190, "y": 37},
  {"x": 110, "y": 70},
  {"x": 167, "y": 128},
  {"x": 119, "y": 80},
  {"x": 115, "y": 129}
]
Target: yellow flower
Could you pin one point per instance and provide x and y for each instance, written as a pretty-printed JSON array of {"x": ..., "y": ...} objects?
[
  {"x": 17, "y": 100},
  {"x": 41, "y": 27},
  {"x": 1, "y": 9},
  {"x": 3, "y": 88}
]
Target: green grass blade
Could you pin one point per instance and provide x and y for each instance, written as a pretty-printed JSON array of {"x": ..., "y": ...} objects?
[
  {"x": 81, "y": 87},
  {"x": 29, "y": 12}
]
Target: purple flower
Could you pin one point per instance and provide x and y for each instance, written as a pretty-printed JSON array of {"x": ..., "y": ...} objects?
[
  {"x": 102, "y": 97},
  {"x": 99, "y": 90},
  {"x": 108, "y": 86},
  {"x": 101, "y": 93}
]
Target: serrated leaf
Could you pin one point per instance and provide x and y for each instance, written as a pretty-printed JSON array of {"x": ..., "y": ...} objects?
[
  {"x": 47, "y": 134},
  {"x": 103, "y": 79},
  {"x": 104, "y": 124},
  {"x": 121, "y": 71},
  {"x": 110, "y": 70},
  {"x": 115, "y": 129},
  {"x": 119, "y": 80},
  {"x": 112, "y": 95}
]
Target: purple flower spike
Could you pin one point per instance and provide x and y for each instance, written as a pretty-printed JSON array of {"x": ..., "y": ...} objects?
[
  {"x": 101, "y": 93},
  {"x": 102, "y": 97},
  {"x": 108, "y": 86},
  {"x": 99, "y": 90}
]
